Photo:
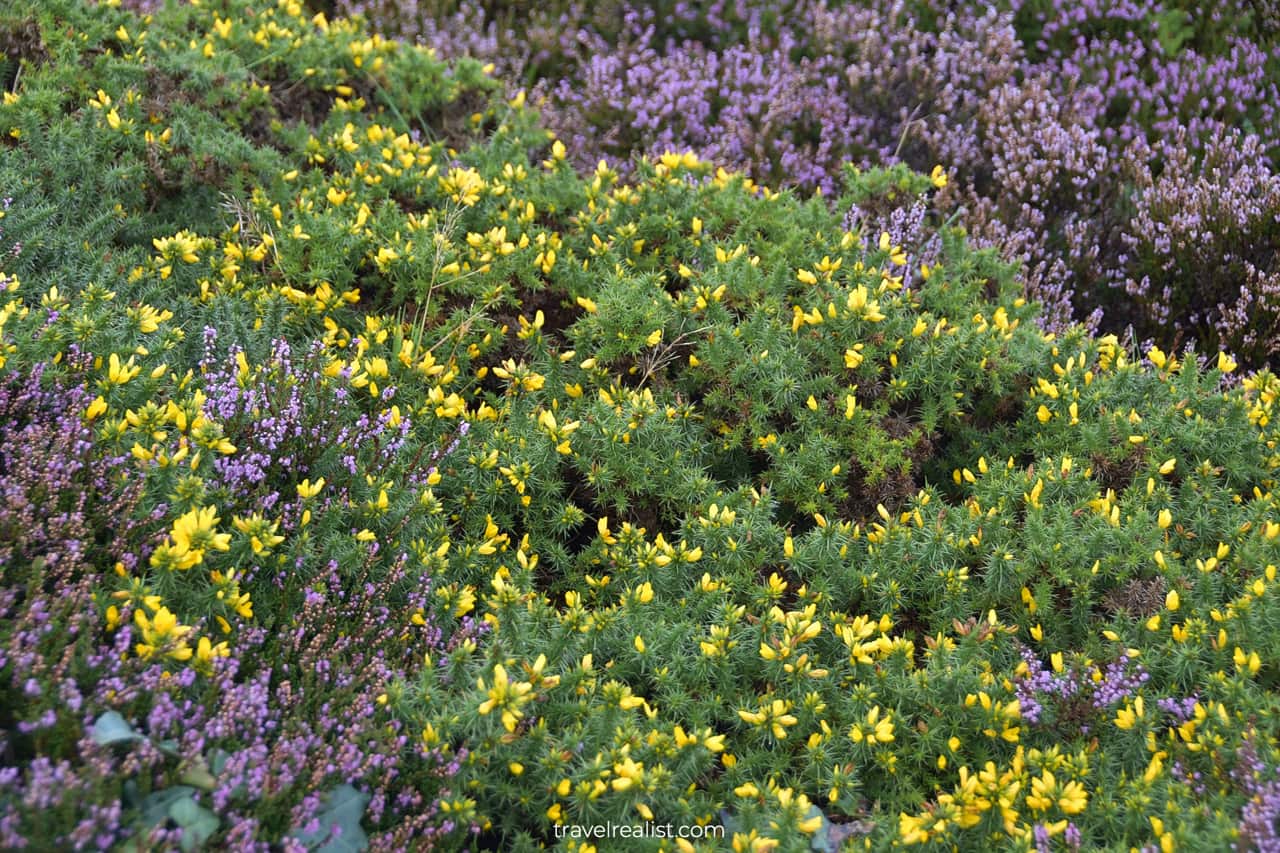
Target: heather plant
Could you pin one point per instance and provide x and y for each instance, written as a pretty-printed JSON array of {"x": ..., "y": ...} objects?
[
  {"x": 146, "y": 588},
  {"x": 1229, "y": 200},
  {"x": 58, "y": 513},
  {"x": 1185, "y": 107},
  {"x": 272, "y": 713}
]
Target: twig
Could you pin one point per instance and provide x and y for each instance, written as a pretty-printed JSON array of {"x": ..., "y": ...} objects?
[
  {"x": 902, "y": 140},
  {"x": 659, "y": 359}
]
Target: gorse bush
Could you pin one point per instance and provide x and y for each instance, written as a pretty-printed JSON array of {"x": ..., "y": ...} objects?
[
  {"x": 376, "y": 479},
  {"x": 1056, "y": 122},
  {"x": 841, "y": 539}
]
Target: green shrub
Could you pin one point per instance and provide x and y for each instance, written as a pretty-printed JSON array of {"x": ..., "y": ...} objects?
[{"x": 854, "y": 505}]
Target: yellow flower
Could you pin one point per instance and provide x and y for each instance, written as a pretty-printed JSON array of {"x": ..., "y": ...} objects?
[
  {"x": 207, "y": 651},
  {"x": 536, "y": 677},
  {"x": 938, "y": 176},
  {"x": 463, "y": 600},
  {"x": 160, "y": 631},
  {"x": 118, "y": 372},
  {"x": 1071, "y": 798},
  {"x": 505, "y": 696},
  {"x": 463, "y": 186},
  {"x": 773, "y": 717},
  {"x": 1247, "y": 661},
  {"x": 148, "y": 318},
  {"x": 262, "y": 533},
  {"x": 181, "y": 246},
  {"x": 1126, "y": 718},
  {"x": 195, "y": 533},
  {"x": 877, "y": 730},
  {"x": 896, "y": 255},
  {"x": 384, "y": 258},
  {"x": 307, "y": 489},
  {"x": 626, "y": 774},
  {"x": 241, "y": 604},
  {"x": 173, "y": 557},
  {"x": 1074, "y": 798}
]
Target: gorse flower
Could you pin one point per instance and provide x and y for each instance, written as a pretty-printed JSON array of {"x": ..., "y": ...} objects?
[
  {"x": 873, "y": 729},
  {"x": 506, "y": 696},
  {"x": 196, "y": 532},
  {"x": 1047, "y": 793},
  {"x": 161, "y": 632},
  {"x": 773, "y": 717}
]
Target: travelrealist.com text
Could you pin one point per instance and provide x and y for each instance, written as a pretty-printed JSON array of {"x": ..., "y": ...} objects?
[{"x": 643, "y": 830}]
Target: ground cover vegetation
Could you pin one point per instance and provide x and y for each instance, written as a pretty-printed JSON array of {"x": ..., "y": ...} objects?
[
  {"x": 1125, "y": 152},
  {"x": 379, "y": 476}
]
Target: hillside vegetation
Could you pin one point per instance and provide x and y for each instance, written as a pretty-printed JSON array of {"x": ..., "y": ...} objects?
[{"x": 375, "y": 479}]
